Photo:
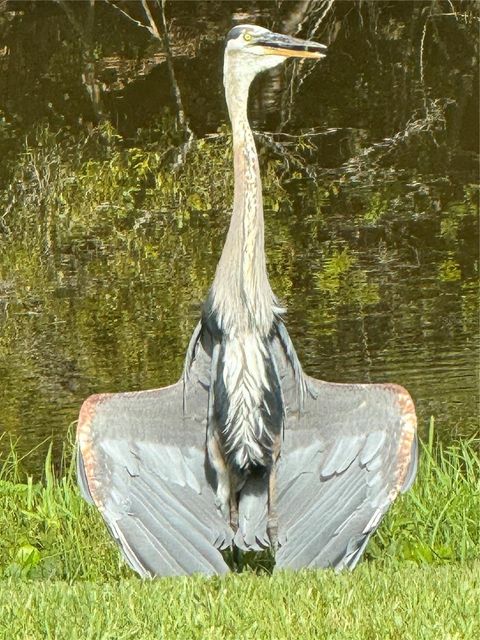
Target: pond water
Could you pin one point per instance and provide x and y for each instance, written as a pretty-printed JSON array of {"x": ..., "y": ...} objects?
[
  {"x": 367, "y": 302},
  {"x": 376, "y": 263}
]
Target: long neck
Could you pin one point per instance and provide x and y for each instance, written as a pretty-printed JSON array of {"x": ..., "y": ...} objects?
[{"x": 241, "y": 293}]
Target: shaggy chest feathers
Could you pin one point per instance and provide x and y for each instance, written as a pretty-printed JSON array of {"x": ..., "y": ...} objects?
[{"x": 247, "y": 402}]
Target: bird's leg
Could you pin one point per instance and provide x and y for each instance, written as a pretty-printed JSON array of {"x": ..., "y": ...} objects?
[
  {"x": 227, "y": 494},
  {"x": 214, "y": 450},
  {"x": 236, "y": 553},
  {"x": 272, "y": 515},
  {"x": 215, "y": 456},
  {"x": 235, "y": 487},
  {"x": 233, "y": 505}
]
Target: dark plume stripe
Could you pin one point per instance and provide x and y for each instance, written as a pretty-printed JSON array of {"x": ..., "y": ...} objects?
[{"x": 235, "y": 32}]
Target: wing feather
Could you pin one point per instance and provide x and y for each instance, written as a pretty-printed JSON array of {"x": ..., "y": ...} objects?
[
  {"x": 252, "y": 522},
  {"x": 374, "y": 442},
  {"x": 347, "y": 451},
  {"x": 344, "y": 459},
  {"x": 342, "y": 454},
  {"x": 142, "y": 462}
]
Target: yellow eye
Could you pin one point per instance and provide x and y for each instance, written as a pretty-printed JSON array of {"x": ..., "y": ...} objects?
[{"x": 247, "y": 36}]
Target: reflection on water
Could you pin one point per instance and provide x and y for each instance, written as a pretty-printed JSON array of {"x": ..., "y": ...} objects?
[
  {"x": 393, "y": 301},
  {"x": 105, "y": 259},
  {"x": 407, "y": 311}
]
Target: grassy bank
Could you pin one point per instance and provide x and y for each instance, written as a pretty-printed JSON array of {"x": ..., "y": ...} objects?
[
  {"x": 404, "y": 602},
  {"x": 62, "y": 576}
]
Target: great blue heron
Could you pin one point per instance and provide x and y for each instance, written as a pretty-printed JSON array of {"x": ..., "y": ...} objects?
[{"x": 246, "y": 450}]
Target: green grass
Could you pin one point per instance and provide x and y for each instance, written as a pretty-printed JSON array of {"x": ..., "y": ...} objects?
[
  {"x": 401, "y": 602},
  {"x": 62, "y": 577}
]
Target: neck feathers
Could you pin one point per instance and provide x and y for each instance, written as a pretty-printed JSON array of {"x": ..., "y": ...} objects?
[{"x": 241, "y": 295}]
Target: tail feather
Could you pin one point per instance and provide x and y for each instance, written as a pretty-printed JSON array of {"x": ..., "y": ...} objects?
[{"x": 252, "y": 514}]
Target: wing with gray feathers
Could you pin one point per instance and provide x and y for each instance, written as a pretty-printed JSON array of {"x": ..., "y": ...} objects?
[
  {"x": 347, "y": 452},
  {"x": 141, "y": 461},
  {"x": 346, "y": 455}
]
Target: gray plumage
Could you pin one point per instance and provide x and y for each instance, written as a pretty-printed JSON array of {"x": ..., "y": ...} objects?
[{"x": 246, "y": 449}]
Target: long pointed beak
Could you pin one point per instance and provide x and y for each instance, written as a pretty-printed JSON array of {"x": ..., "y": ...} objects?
[{"x": 281, "y": 45}]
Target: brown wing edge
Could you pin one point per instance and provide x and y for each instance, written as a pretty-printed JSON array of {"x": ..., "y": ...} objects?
[
  {"x": 86, "y": 461},
  {"x": 407, "y": 452}
]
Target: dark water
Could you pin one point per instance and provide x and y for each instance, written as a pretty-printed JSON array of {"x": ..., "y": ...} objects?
[
  {"x": 376, "y": 262},
  {"x": 391, "y": 301}
]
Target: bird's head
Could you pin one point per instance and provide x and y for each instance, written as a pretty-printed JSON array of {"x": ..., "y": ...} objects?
[{"x": 257, "y": 49}]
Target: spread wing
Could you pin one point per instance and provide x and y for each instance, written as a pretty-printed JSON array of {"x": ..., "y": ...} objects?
[
  {"x": 345, "y": 456},
  {"x": 141, "y": 461},
  {"x": 347, "y": 452}
]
